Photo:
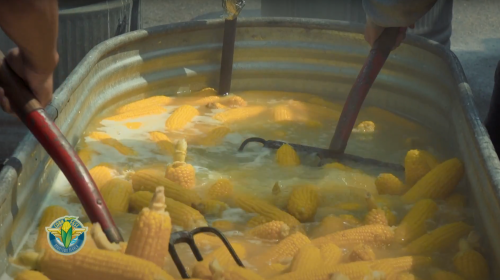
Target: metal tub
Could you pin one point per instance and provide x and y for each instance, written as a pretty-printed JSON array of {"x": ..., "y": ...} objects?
[{"x": 422, "y": 81}]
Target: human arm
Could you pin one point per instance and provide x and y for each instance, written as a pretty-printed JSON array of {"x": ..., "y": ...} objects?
[
  {"x": 393, "y": 13},
  {"x": 33, "y": 26}
]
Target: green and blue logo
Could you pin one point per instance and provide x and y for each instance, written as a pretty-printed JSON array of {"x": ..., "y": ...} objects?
[{"x": 66, "y": 235}]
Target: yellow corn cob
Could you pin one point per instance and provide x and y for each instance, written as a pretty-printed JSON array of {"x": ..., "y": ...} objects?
[
  {"x": 86, "y": 155},
  {"x": 49, "y": 215},
  {"x": 351, "y": 271},
  {"x": 350, "y": 220},
  {"x": 374, "y": 235},
  {"x": 185, "y": 216},
  {"x": 116, "y": 193},
  {"x": 212, "y": 207},
  {"x": 366, "y": 127},
  {"x": 162, "y": 142},
  {"x": 329, "y": 224},
  {"x": 133, "y": 125},
  {"x": 223, "y": 225},
  {"x": 206, "y": 100},
  {"x": 330, "y": 253},
  {"x": 145, "y": 103},
  {"x": 149, "y": 111},
  {"x": 417, "y": 164},
  {"x": 201, "y": 269},
  {"x": 207, "y": 241},
  {"x": 31, "y": 275},
  {"x": 286, "y": 156},
  {"x": 275, "y": 230},
  {"x": 101, "y": 174},
  {"x": 221, "y": 189},
  {"x": 286, "y": 248},
  {"x": 180, "y": 172},
  {"x": 214, "y": 136},
  {"x": 204, "y": 92},
  {"x": 282, "y": 113},
  {"x": 362, "y": 252},
  {"x": 313, "y": 110},
  {"x": 239, "y": 114},
  {"x": 394, "y": 266},
  {"x": 414, "y": 224},
  {"x": 101, "y": 241},
  {"x": 376, "y": 217},
  {"x": 215, "y": 105},
  {"x": 233, "y": 101},
  {"x": 254, "y": 205},
  {"x": 308, "y": 257},
  {"x": 439, "y": 239},
  {"x": 181, "y": 117},
  {"x": 234, "y": 272},
  {"x": 470, "y": 263},
  {"x": 303, "y": 202},
  {"x": 148, "y": 180},
  {"x": 89, "y": 240},
  {"x": 406, "y": 276},
  {"x": 150, "y": 234},
  {"x": 438, "y": 183},
  {"x": 445, "y": 275},
  {"x": 387, "y": 183},
  {"x": 258, "y": 220},
  {"x": 107, "y": 140},
  {"x": 93, "y": 264},
  {"x": 139, "y": 200}
]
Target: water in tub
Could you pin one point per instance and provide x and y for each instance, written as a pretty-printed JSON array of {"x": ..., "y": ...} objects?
[{"x": 291, "y": 117}]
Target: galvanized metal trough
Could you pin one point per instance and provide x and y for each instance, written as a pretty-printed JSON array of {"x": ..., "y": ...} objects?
[{"x": 421, "y": 80}]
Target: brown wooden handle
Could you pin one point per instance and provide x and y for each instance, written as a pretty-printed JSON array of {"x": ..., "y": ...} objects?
[{"x": 17, "y": 91}]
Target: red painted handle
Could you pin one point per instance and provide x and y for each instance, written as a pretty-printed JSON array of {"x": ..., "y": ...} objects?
[
  {"x": 369, "y": 72},
  {"x": 53, "y": 141}
]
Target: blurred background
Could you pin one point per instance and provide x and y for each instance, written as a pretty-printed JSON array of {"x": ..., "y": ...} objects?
[{"x": 86, "y": 23}]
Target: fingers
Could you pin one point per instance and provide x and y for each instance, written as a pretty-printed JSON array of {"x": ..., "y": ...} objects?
[
  {"x": 400, "y": 38},
  {"x": 4, "y": 102}
]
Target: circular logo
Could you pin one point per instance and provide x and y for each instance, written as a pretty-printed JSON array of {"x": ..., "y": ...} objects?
[{"x": 66, "y": 235}]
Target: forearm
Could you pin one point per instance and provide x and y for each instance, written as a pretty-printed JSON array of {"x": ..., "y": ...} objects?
[
  {"x": 33, "y": 26},
  {"x": 396, "y": 13}
]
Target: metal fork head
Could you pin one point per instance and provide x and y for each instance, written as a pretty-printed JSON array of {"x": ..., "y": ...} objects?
[{"x": 188, "y": 237}]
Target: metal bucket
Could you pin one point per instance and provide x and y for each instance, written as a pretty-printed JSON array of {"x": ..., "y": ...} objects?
[
  {"x": 421, "y": 80},
  {"x": 84, "y": 24}
]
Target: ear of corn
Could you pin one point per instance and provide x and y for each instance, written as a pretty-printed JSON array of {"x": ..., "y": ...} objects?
[
  {"x": 101, "y": 174},
  {"x": 362, "y": 252},
  {"x": 286, "y": 156},
  {"x": 275, "y": 230},
  {"x": 329, "y": 224},
  {"x": 148, "y": 180},
  {"x": 224, "y": 225},
  {"x": 180, "y": 172},
  {"x": 254, "y": 205},
  {"x": 366, "y": 127},
  {"x": 185, "y": 216},
  {"x": 150, "y": 111},
  {"x": 181, "y": 117},
  {"x": 204, "y": 92},
  {"x": 201, "y": 269},
  {"x": 314, "y": 111},
  {"x": 282, "y": 113},
  {"x": 139, "y": 200},
  {"x": 439, "y": 239},
  {"x": 258, "y": 220},
  {"x": 86, "y": 155},
  {"x": 417, "y": 164},
  {"x": 376, "y": 217},
  {"x": 107, "y": 140},
  {"x": 89, "y": 240},
  {"x": 93, "y": 264},
  {"x": 330, "y": 253},
  {"x": 239, "y": 114},
  {"x": 143, "y": 104},
  {"x": 206, "y": 241},
  {"x": 31, "y": 275},
  {"x": 285, "y": 249},
  {"x": 303, "y": 202},
  {"x": 445, "y": 275},
  {"x": 215, "y": 105},
  {"x": 233, "y": 101},
  {"x": 414, "y": 224},
  {"x": 308, "y": 257},
  {"x": 222, "y": 189},
  {"x": 438, "y": 183},
  {"x": 374, "y": 235},
  {"x": 393, "y": 266},
  {"x": 215, "y": 136},
  {"x": 116, "y": 193},
  {"x": 48, "y": 216},
  {"x": 162, "y": 142},
  {"x": 350, "y": 220},
  {"x": 150, "y": 234},
  {"x": 101, "y": 241},
  {"x": 206, "y": 100},
  {"x": 470, "y": 263},
  {"x": 212, "y": 207},
  {"x": 387, "y": 183},
  {"x": 233, "y": 272}
]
